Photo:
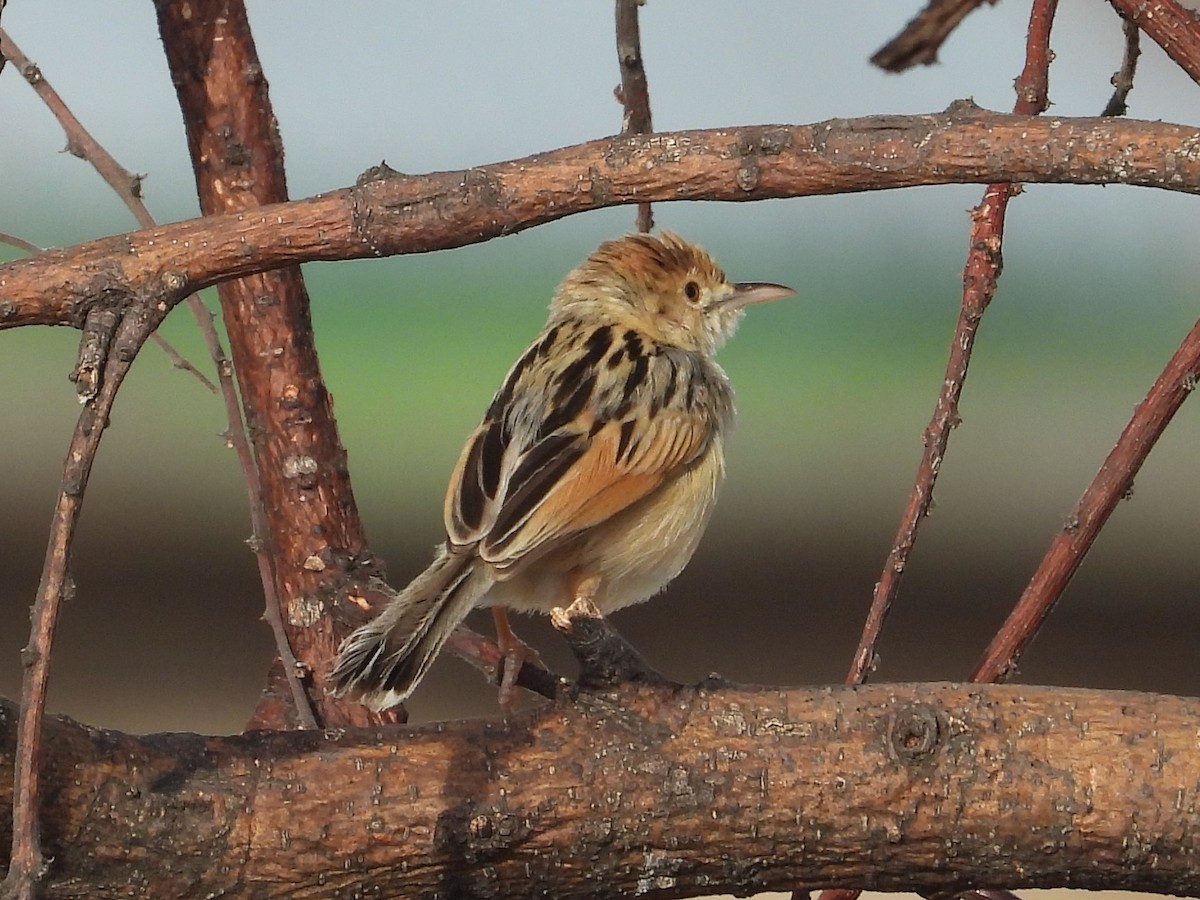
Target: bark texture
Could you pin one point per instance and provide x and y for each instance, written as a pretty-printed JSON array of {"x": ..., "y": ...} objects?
[
  {"x": 318, "y": 547},
  {"x": 656, "y": 790},
  {"x": 389, "y": 213}
]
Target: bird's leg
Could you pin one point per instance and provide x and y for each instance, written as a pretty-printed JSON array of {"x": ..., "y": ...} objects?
[{"x": 515, "y": 653}]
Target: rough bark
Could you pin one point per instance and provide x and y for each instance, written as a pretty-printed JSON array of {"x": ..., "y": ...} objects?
[
  {"x": 388, "y": 213},
  {"x": 657, "y": 791},
  {"x": 317, "y": 542}
]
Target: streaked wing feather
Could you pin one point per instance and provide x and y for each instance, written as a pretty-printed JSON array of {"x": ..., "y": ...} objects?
[
  {"x": 572, "y": 438},
  {"x": 596, "y": 484}
]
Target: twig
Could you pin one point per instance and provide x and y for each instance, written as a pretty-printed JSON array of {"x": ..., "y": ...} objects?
[
  {"x": 27, "y": 865},
  {"x": 260, "y": 533},
  {"x": 1169, "y": 25},
  {"x": 19, "y": 243},
  {"x": 127, "y": 185},
  {"x": 980, "y": 274},
  {"x": 919, "y": 42},
  {"x": 1113, "y": 482},
  {"x": 1122, "y": 80},
  {"x": 484, "y": 655},
  {"x": 80, "y": 142},
  {"x": 634, "y": 91}
]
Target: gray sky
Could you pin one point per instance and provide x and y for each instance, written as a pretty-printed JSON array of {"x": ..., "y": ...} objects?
[{"x": 453, "y": 84}]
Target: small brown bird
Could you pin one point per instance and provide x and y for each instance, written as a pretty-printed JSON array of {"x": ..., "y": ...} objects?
[{"x": 594, "y": 471}]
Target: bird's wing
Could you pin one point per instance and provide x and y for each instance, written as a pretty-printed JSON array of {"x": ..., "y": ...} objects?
[{"x": 565, "y": 446}]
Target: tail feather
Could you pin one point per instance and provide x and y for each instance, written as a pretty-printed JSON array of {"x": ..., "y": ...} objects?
[{"x": 383, "y": 661}]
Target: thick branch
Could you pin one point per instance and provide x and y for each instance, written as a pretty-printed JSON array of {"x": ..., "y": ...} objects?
[
  {"x": 388, "y": 213},
  {"x": 306, "y": 520},
  {"x": 656, "y": 791}
]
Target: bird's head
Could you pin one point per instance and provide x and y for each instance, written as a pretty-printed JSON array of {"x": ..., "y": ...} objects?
[{"x": 670, "y": 289}]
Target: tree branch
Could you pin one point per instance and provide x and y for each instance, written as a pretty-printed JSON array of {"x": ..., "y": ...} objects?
[
  {"x": 301, "y": 504},
  {"x": 123, "y": 338},
  {"x": 981, "y": 273},
  {"x": 1169, "y": 25},
  {"x": 1122, "y": 80},
  {"x": 1113, "y": 482},
  {"x": 654, "y": 790},
  {"x": 388, "y": 213},
  {"x": 634, "y": 92},
  {"x": 919, "y": 42}
]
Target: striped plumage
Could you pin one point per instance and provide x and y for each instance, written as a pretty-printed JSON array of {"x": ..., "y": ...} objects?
[{"x": 595, "y": 468}]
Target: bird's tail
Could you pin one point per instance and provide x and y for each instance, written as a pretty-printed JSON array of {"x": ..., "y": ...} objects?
[{"x": 381, "y": 662}]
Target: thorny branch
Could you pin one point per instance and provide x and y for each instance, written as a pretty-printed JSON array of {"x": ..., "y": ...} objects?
[
  {"x": 980, "y": 274},
  {"x": 235, "y": 171},
  {"x": 634, "y": 91}
]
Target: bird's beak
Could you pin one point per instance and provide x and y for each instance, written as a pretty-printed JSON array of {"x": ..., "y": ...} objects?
[{"x": 749, "y": 292}]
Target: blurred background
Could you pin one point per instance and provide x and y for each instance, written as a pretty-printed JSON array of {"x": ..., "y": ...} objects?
[{"x": 835, "y": 385}]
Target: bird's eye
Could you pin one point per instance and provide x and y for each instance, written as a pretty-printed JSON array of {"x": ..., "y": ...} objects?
[{"x": 691, "y": 290}]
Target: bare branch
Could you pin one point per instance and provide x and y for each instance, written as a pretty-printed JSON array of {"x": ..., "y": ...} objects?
[
  {"x": 1112, "y": 483},
  {"x": 388, "y": 213},
  {"x": 919, "y": 42},
  {"x": 980, "y": 275},
  {"x": 1122, "y": 80},
  {"x": 238, "y": 160},
  {"x": 1169, "y": 25},
  {"x": 648, "y": 790},
  {"x": 27, "y": 862},
  {"x": 634, "y": 91}
]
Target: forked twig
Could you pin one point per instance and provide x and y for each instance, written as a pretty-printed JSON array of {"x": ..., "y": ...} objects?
[
  {"x": 177, "y": 359},
  {"x": 27, "y": 864},
  {"x": 980, "y": 274},
  {"x": 634, "y": 91},
  {"x": 128, "y": 187},
  {"x": 1113, "y": 482}
]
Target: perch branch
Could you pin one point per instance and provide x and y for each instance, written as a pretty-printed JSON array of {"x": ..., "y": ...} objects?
[
  {"x": 28, "y": 862},
  {"x": 1169, "y": 25},
  {"x": 980, "y": 275},
  {"x": 919, "y": 42},
  {"x": 1113, "y": 482},
  {"x": 634, "y": 91},
  {"x": 388, "y": 213},
  {"x": 296, "y": 474},
  {"x": 652, "y": 790}
]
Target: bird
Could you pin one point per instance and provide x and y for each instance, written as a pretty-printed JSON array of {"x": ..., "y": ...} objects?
[{"x": 594, "y": 471}]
